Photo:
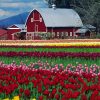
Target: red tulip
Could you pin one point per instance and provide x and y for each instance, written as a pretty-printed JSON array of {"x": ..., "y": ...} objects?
[
  {"x": 94, "y": 94},
  {"x": 54, "y": 91},
  {"x": 40, "y": 97},
  {"x": 21, "y": 90},
  {"x": 27, "y": 92},
  {"x": 57, "y": 96},
  {"x": 46, "y": 92},
  {"x": 84, "y": 97}
]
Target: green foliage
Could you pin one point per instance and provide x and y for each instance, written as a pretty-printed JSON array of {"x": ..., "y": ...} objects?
[{"x": 98, "y": 36}]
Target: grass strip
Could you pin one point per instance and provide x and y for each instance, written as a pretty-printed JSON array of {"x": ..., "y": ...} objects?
[
  {"x": 65, "y": 61},
  {"x": 7, "y": 49}
]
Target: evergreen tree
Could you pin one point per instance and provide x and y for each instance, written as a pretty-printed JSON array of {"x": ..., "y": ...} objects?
[
  {"x": 59, "y": 3},
  {"x": 89, "y": 11}
]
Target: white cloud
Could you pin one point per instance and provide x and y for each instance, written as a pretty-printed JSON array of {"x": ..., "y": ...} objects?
[
  {"x": 14, "y": 7},
  {"x": 21, "y": 4},
  {"x": 6, "y": 0},
  {"x": 4, "y": 13}
]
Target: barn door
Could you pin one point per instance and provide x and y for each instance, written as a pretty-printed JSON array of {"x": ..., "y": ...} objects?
[{"x": 36, "y": 28}]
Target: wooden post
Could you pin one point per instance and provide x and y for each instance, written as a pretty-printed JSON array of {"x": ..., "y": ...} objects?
[
  {"x": 26, "y": 36},
  {"x": 12, "y": 36},
  {"x": 33, "y": 36}
]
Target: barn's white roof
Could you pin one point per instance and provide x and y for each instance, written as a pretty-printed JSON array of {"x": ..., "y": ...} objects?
[
  {"x": 82, "y": 30},
  {"x": 89, "y": 26},
  {"x": 20, "y": 26},
  {"x": 60, "y": 17}
]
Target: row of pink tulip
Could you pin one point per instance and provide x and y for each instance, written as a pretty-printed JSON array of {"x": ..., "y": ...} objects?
[{"x": 80, "y": 69}]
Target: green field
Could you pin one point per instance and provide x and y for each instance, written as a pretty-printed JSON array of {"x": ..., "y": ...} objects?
[
  {"x": 50, "y": 49},
  {"x": 65, "y": 61}
]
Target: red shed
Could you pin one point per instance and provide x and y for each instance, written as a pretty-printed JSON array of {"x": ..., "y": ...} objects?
[
  {"x": 12, "y": 30},
  {"x": 85, "y": 31},
  {"x": 3, "y": 34},
  {"x": 60, "y": 23}
]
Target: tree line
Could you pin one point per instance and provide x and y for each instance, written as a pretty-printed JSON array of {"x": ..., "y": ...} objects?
[{"x": 89, "y": 10}]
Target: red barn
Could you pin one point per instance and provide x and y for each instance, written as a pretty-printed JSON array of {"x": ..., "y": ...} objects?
[
  {"x": 3, "y": 34},
  {"x": 12, "y": 30},
  {"x": 60, "y": 23}
]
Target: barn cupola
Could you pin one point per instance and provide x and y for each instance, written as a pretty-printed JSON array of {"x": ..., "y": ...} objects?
[{"x": 54, "y": 6}]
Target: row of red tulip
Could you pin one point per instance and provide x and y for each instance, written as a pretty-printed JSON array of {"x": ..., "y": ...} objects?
[
  {"x": 56, "y": 83},
  {"x": 51, "y": 54}
]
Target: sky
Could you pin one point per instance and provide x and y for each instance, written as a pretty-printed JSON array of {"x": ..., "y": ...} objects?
[{"x": 13, "y": 7}]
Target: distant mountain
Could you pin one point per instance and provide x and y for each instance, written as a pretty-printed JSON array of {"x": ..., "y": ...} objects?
[{"x": 18, "y": 19}]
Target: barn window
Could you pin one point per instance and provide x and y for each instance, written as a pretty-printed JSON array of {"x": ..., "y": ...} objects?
[
  {"x": 66, "y": 33},
  {"x": 62, "y": 33},
  {"x": 36, "y": 28},
  {"x": 30, "y": 34},
  {"x": 54, "y": 34},
  {"x": 31, "y": 19},
  {"x": 46, "y": 35},
  {"x": 36, "y": 34},
  {"x": 70, "y": 33},
  {"x": 74, "y": 34},
  {"x": 40, "y": 19},
  {"x": 57, "y": 33}
]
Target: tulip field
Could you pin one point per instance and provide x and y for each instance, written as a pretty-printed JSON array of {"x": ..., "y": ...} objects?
[{"x": 50, "y": 70}]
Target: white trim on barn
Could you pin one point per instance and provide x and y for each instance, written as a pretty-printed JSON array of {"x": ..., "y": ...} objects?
[
  {"x": 71, "y": 33},
  {"x": 32, "y": 20},
  {"x": 13, "y": 28},
  {"x": 18, "y": 26}
]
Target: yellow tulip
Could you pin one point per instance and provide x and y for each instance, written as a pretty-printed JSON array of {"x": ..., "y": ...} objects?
[
  {"x": 16, "y": 98},
  {"x": 6, "y": 99},
  {"x": 53, "y": 43},
  {"x": 33, "y": 99}
]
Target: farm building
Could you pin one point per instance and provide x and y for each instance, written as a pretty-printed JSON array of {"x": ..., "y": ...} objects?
[
  {"x": 86, "y": 31},
  {"x": 60, "y": 23},
  {"x": 14, "y": 30},
  {"x": 3, "y": 34},
  {"x": 43, "y": 22}
]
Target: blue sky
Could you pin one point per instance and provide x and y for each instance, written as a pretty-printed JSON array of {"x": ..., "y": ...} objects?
[{"x": 13, "y": 7}]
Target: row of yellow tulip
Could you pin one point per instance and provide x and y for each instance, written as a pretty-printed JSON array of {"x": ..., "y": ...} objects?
[
  {"x": 16, "y": 98},
  {"x": 53, "y": 44}
]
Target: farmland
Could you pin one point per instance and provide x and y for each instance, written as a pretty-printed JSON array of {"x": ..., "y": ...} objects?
[{"x": 50, "y": 70}]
